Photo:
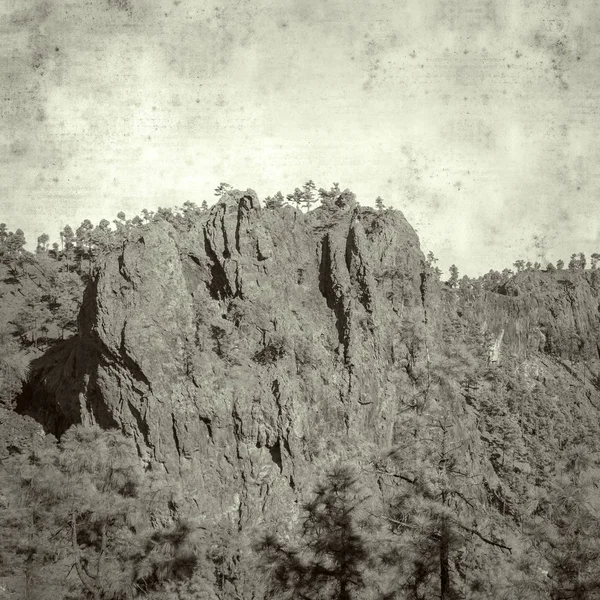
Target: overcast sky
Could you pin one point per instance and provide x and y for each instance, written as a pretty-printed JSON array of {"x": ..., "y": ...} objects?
[{"x": 479, "y": 119}]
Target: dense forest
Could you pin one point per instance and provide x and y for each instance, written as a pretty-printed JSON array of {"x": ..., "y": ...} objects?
[{"x": 460, "y": 460}]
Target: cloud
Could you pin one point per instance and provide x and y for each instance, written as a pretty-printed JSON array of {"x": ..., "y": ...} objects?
[{"x": 479, "y": 119}]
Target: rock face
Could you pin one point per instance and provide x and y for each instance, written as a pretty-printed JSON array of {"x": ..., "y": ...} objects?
[
  {"x": 249, "y": 351},
  {"x": 554, "y": 313}
]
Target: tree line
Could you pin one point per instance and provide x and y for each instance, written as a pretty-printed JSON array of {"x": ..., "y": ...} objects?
[
  {"x": 307, "y": 197},
  {"x": 493, "y": 279},
  {"x": 79, "y": 247}
]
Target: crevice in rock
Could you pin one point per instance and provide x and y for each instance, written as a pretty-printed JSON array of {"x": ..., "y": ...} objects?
[
  {"x": 219, "y": 287},
  {"x": 240, "y": 515},
  {"x": 240, "y": 216},
  {"x": 358, "y": 270},
  {"x": 195, "y": 259},
  {"x": 238, "y": 282},
  {"x": 226, "y": 251},
  {"x": 423, "y": 289},
  {"x": 245, "y": 204},
  {"x": 333, "y": 297},
  {"x": 275, "y": 389},
  {"x": 129, "y": 363},
  {"x": 123, "y": 270},
  {"x": 208, "y": 424},
  {"x": 286, "y": 446},
  {"x": 275, "y": 451},
  {"x": 37, "y": 402},
  {"x": 175, "y": 436},
  {"x": 196, "y": 274},
  {"x": 56, "y": 409},
  {"x": 325, "y": 283},
  {"x": 95, "y": 402},
  {"x": 141, "y": 423}
]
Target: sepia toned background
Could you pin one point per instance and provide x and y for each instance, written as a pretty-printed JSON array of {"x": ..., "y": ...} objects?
[{"x": 479, "y": 119}]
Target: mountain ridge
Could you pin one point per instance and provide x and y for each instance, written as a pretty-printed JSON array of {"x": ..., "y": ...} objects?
[{"x": 251, "y": 349}]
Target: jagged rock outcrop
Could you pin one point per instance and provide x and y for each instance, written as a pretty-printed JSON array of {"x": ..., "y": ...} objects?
[{"x": 249, "y": 351}]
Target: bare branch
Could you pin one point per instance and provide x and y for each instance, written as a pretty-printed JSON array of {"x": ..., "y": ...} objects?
[
  {"x": 394, "y": 521},
  {"x": 462, "y": 497},
  {"x": 481, "y": 537},
  {"x": 102, "y": 550},
  {"x": 397, "y": 476},
  {"x": 78, "y": 566}
]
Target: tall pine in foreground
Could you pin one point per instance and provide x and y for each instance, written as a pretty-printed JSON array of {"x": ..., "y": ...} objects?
[
  {"x": 333, "y": 556},
  {"x": 447, "y": 543},
  {"x": 444, "y": 532}
]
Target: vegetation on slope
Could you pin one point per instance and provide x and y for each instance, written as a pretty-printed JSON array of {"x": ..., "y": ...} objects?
[{"x": 489, "y": 489}]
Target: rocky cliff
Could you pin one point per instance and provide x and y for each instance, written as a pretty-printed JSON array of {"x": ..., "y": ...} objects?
[
  {"x": 249, "y": 350},
  {"x": 246, "y": 352}
]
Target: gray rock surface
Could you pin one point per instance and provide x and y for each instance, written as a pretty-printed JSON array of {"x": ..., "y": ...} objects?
[{"x": 250, "y": 351}]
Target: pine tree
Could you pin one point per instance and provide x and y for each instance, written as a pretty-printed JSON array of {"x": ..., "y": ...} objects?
[
  {"x": 443, "y": 535},
  {"x": 67, "y": 237},
  {"x": 101, "y": 238},
  {"x": 14, "y": 368},
  {"x": 569, "y": 538},
  {"x": 347, "y": 199},
  {"x": 147, "y": 215},
  {"x": 436, "y": 513},
  {"x": 333, "y": 554},
  {"x": 27, "y": 537},
  {"x": 222, "y": 189},
  {"x": 80, "y": 510},
  {"x": 574, "y": 262},
  {"x": 88, "y": 489},
  {"x": 453, "y": 280},
  {"x": 519, "y": 265},
  {"x": 296, "y": 197},
  {"x": 169, "y": 555},
  {"x": 12, "y": 250},
  {"x": 42, "y": 243},
  {"x": 276, "y": 201},
  {"x": 65, "y": 300},
  {"x": 329, "y": 197},
  {"x": 308, "y": 194},
  {"x": 30, "y": 319}
]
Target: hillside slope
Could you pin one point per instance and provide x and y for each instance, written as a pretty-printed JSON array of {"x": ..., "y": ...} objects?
[{"x": 250, "y": 351}]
